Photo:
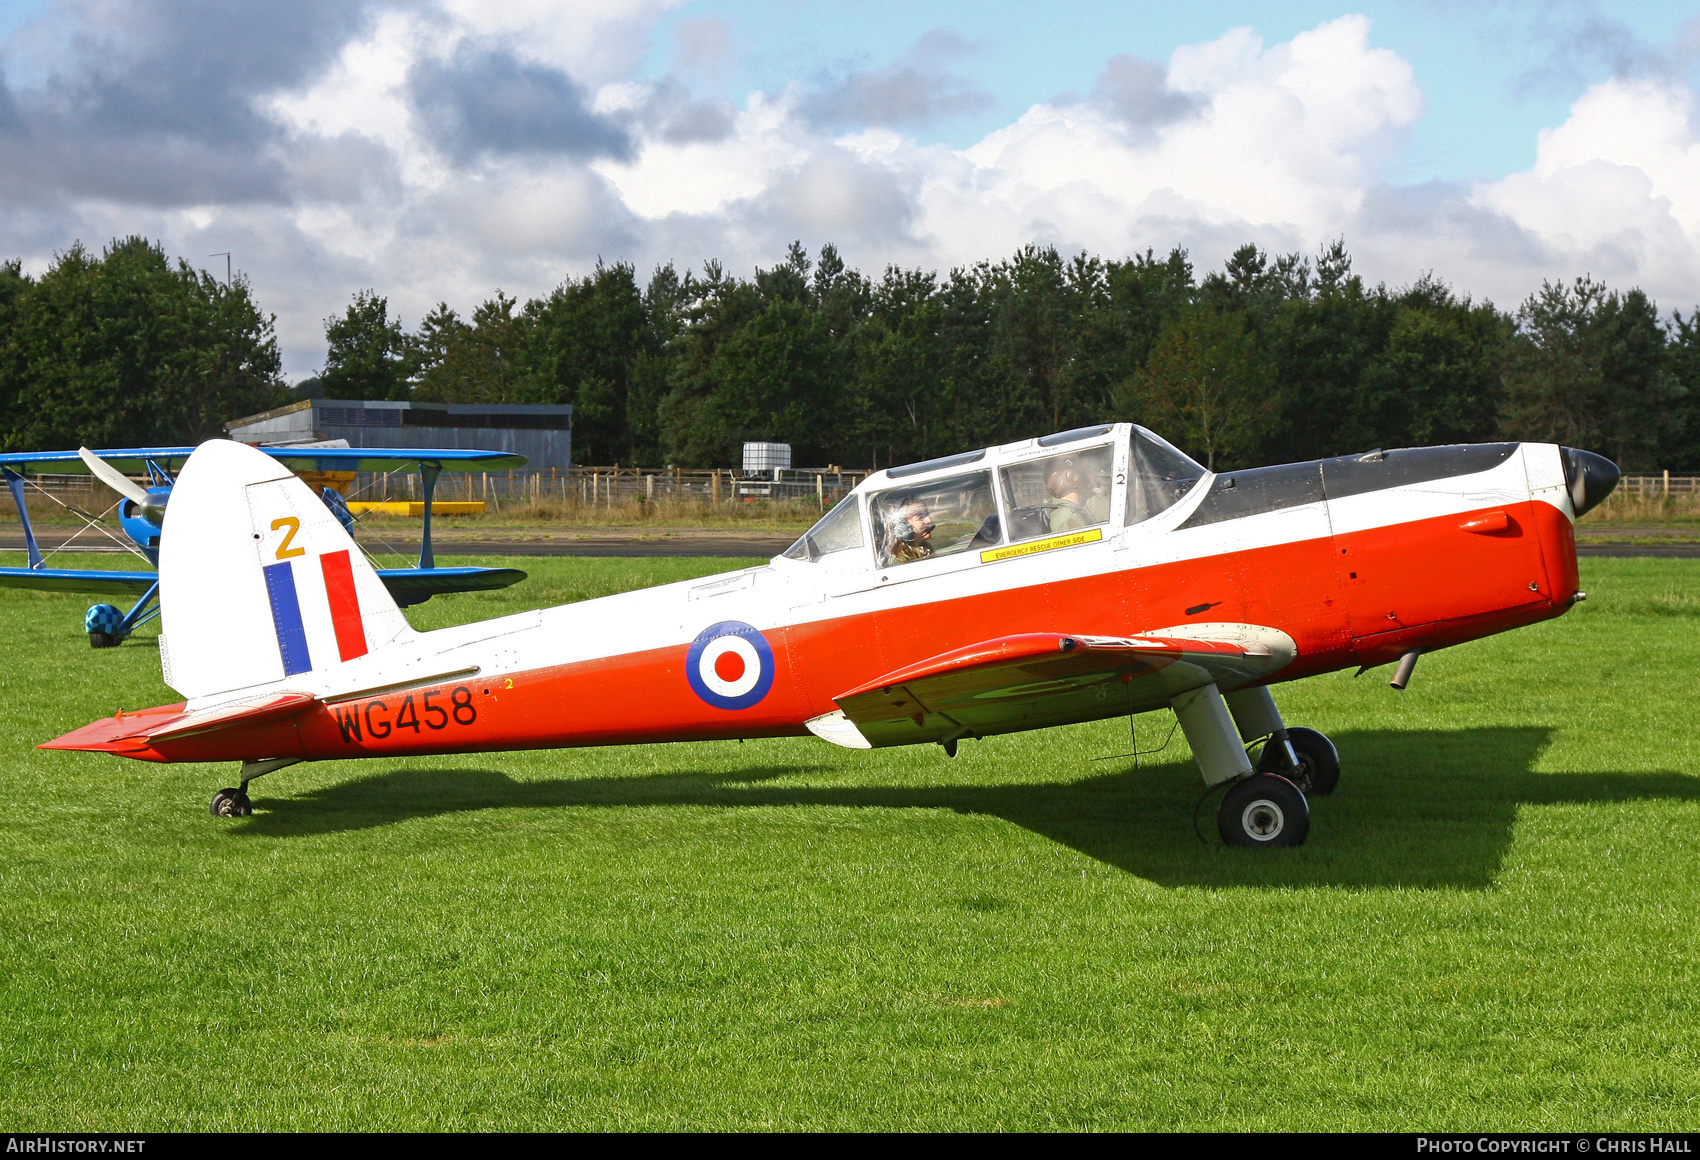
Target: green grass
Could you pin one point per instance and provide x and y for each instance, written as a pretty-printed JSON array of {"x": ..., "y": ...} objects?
[{"x": 1492, "y": 926}]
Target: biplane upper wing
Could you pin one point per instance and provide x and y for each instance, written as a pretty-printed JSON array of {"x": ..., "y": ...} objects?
[
  {"x": 1033, "y": 680},
  {"x": 134, "y": 460}
]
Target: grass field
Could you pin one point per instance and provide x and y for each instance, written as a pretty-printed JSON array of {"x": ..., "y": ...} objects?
[{"x": 1493, "y": 925}]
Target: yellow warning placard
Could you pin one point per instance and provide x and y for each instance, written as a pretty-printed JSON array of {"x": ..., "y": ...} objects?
[{"x": 1073, "y": 539}]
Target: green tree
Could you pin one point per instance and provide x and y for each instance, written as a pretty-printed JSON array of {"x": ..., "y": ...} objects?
[
  {"x": 1588, "y": 368},
  {"x": 590, "y": 339},
  {"x": 1437, "y": 378},
  {"x": 484, "y": 362},
  {"x": 1683, "y": 445},
  {"x": 368, "y": 355},
  {"x": 1206, "y": 389},
  {"x": 128, "y": 349}
]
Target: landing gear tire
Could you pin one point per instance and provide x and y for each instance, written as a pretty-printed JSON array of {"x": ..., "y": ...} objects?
[
  {"x": 231, "y": 803},
  {"x": 1319, "y": 762},
  {"x": 1264, "y": 810},
  {"x": 105, "y": 640}
]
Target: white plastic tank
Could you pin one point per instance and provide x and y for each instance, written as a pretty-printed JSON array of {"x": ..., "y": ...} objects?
[{"x": 761, "y": 458}]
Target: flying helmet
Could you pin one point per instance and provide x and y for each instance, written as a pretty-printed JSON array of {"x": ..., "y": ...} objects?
[{"x": 897, "y": 520}]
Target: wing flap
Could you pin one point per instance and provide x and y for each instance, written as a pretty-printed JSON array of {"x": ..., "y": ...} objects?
[{"x": 1033, "y": 680}]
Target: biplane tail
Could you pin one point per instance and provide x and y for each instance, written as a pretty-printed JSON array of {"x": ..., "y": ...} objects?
[{"x": 258, "y": 581}]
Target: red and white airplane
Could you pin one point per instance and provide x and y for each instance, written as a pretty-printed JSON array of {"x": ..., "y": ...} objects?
[{"x": 1083, "y": 575}]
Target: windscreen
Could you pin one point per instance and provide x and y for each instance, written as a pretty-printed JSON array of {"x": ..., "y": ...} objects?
[
  {"x": 937, "y": 518},
  {"x": 838, "y": 530},
  {"x": 1060, "y": 493},
  {"x": 1159, "y": 475}
]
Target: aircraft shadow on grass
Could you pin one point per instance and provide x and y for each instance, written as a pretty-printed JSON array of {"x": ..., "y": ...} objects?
[{"x": 1414, "y": 809}]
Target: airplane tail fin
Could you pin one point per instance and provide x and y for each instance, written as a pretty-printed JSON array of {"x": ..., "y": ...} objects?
[{"x": 257, "y": 579}]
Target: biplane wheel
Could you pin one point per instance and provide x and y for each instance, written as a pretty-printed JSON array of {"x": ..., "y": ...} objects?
[
  {"x": 1264, "y": 810},
  {"x": 231, "y": 803},
  {"x": 102, "y": 622},
  {"x": 1319, "y": 762}
]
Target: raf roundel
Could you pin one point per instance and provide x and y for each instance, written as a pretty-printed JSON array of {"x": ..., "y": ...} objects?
[{"x": 730, "y": 665}]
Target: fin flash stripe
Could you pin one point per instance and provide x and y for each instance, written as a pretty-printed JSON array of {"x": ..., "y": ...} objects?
[
  {"x": 286, "y": 618},
  {"x": 345, "y": 604}
]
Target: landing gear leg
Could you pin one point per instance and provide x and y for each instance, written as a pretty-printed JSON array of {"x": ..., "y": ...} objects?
[
  {"x": 1302, "y": 756},
  {"x": 232, "y": 802},
  {"x": 1210, "y": 731}
]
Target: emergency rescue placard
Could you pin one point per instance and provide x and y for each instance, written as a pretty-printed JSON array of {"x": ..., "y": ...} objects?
[{"x": 1071, "y": 540}]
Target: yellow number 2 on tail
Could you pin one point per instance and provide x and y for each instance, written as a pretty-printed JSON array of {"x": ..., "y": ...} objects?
[{"x": 284, "y": 551}]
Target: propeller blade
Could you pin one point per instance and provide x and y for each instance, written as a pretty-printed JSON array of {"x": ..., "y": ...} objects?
[{"x": 114, "y": 478}]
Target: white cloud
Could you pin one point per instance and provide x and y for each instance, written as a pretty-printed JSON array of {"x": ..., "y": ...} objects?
[
  {"x": 1615, "y": 190},
  {"x": 1231, "y": 141}
]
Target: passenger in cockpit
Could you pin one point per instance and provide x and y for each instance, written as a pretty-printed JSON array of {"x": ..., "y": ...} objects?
[
  {"x": 1079, "y": 504},
  {"x": 911, "y": 528}
]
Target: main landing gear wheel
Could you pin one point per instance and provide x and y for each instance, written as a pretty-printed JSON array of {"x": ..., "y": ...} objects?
[
  {"x": 231, "y": 803},
  {"x": 1319, "y": 762},
  {"x": 1264, "y": 810}
]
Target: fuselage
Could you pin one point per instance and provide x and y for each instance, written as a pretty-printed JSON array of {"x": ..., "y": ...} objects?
[{"x": 1358, "y": 560}]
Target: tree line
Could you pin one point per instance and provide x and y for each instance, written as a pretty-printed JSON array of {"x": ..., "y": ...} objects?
[{"x": 1269, "y": 359}]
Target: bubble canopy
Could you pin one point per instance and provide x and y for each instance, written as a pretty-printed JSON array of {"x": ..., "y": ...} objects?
[{"x": 939, "y": 511}]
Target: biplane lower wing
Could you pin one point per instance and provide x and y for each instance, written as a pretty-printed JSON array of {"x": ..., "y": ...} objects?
[
  {"x": 417, "y": 585},
  {"x": 1038, "y": 679},
  {"x": 78, "y": 580}
]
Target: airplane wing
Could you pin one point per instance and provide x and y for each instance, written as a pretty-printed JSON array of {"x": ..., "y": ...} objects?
[
  {"x": 417, "y": 585},
  {"x": 383, "y": 458},
  {"x": 78, "y": 580},
  {"x": 134, "y": 460},
  {"x": 1038, "y": 679}
]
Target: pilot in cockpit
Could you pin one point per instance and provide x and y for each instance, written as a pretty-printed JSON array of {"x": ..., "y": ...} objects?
[
  {"x": 1079, "y": 504},
  {"x": 910, "y": 526}
]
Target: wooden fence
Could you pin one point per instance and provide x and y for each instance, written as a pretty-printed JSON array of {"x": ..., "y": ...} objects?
[
  {"x": 1656, "y": 486},
  {"x": 581, "y": 485},
  {"x": 592, "y": 486}
]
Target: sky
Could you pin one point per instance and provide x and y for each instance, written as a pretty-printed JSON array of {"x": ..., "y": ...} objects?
[{"x": 437, "y": 150}]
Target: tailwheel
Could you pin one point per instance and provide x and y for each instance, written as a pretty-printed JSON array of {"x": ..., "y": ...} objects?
[
  {"x": 1264, "y": 810},
  {"x": 1319, "y": 762},
  {"x": 231, "y": 803}
]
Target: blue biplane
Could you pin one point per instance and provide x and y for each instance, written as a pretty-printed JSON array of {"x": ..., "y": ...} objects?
[{"x": 141, "y": 517}]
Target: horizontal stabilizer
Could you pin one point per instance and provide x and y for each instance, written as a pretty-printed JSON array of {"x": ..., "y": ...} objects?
[
  {"x": 417, "y": 585},
  {"x": 146, "y": 728},
  {"x": 78, "y": 580},
  {"x": 1034, "y": 680}
]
